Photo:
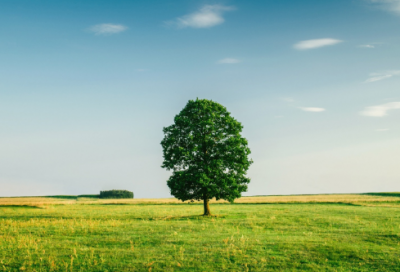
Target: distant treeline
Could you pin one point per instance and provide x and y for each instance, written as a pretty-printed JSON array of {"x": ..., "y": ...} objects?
[
  {"x": 103, "y": 194},
  {"x": 116, "y": 194},
  {"x": 395, "y": 194},
  {"x": 73, "y": 196}
]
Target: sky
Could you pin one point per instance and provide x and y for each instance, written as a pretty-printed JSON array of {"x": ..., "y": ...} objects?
[{"x": 86, "y": 88}]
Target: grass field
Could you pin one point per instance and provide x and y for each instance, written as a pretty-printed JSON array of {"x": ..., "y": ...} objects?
[{"x": 271, "y": 233}]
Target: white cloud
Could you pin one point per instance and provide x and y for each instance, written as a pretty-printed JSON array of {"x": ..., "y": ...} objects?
[
  {"x": 390, "y": 5},
  {"x": 312, "y": 109},
  {"x": 382, "y": 129},
  {"x": 377, "y": 78},
  {"x": 207, "y": 16},
  {"x": 228, "y": 61},
  {"x": 383, "y": 75},
  {"x": 311, "y": 44},
  {"x": 380, "y": 110},
  {"x": 107, "y": 29},
  {"x": 367, "y": 46}
]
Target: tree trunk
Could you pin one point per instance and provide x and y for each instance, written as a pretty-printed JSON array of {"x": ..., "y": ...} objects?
[{"x": 206, "y": 207}]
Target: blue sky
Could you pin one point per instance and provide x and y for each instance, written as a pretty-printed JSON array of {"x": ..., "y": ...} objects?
[{"x": 87, "y": 86}]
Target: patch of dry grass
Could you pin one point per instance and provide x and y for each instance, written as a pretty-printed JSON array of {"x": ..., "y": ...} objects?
[
  {"x": 34, "y": 201},
  {"x": 357, "y": 199}
]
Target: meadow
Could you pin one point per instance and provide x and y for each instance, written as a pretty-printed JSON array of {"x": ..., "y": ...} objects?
[{"x": 355, "y": 232}]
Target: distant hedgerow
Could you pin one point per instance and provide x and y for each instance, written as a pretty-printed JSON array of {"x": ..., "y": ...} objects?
[
  {"x": 89, "y": 196},
  {"x": 116, "y": 194}
]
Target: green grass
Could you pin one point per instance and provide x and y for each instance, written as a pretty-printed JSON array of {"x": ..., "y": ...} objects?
[{"x": 243, "y": 237}]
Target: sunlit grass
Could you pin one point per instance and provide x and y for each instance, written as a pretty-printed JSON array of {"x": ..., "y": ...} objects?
[
  {"x": 340, "y": 233},
  {"x": 332, "y": 198}
]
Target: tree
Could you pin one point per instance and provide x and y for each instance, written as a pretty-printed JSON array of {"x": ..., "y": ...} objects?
[{"x": 206, "y": 153}]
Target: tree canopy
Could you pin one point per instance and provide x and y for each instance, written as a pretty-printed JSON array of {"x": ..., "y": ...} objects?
[{"x": 207, "y": 154}]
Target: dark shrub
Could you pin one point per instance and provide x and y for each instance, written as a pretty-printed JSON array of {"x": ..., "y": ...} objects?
[{"x": 116, "y": 194}]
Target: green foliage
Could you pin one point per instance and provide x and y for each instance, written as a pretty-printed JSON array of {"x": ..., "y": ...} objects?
[
  {"x": 206, "y": 153},
  {"x": 116, "y": 194}
]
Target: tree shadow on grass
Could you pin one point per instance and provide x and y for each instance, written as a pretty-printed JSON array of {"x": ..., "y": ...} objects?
[
  {"x": 186, "y": 217},
  {"x": 21, "y": 206},
  {"x": 222, "y": 204},
  {"x": 301, "y": 203},
  {"x": 111, "y": 204}
]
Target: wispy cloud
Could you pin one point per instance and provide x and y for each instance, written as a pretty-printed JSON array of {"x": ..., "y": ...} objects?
[
  {"x": 390, "y": 5},
  {"x": 107, "y": 29},
  {"x": 373, "y": 77},
  {"x": 207, "y": 16},
  {"x": 312, "y": 109},
  {"x": 311, "y": 44},
  {"x": 380, "y": 110},
  {"x": 367, "y": 46},
  {"x": 228, "y": 61}
]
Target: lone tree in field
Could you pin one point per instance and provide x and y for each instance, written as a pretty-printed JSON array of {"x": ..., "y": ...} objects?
[{"x": 206, "y": 153}]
